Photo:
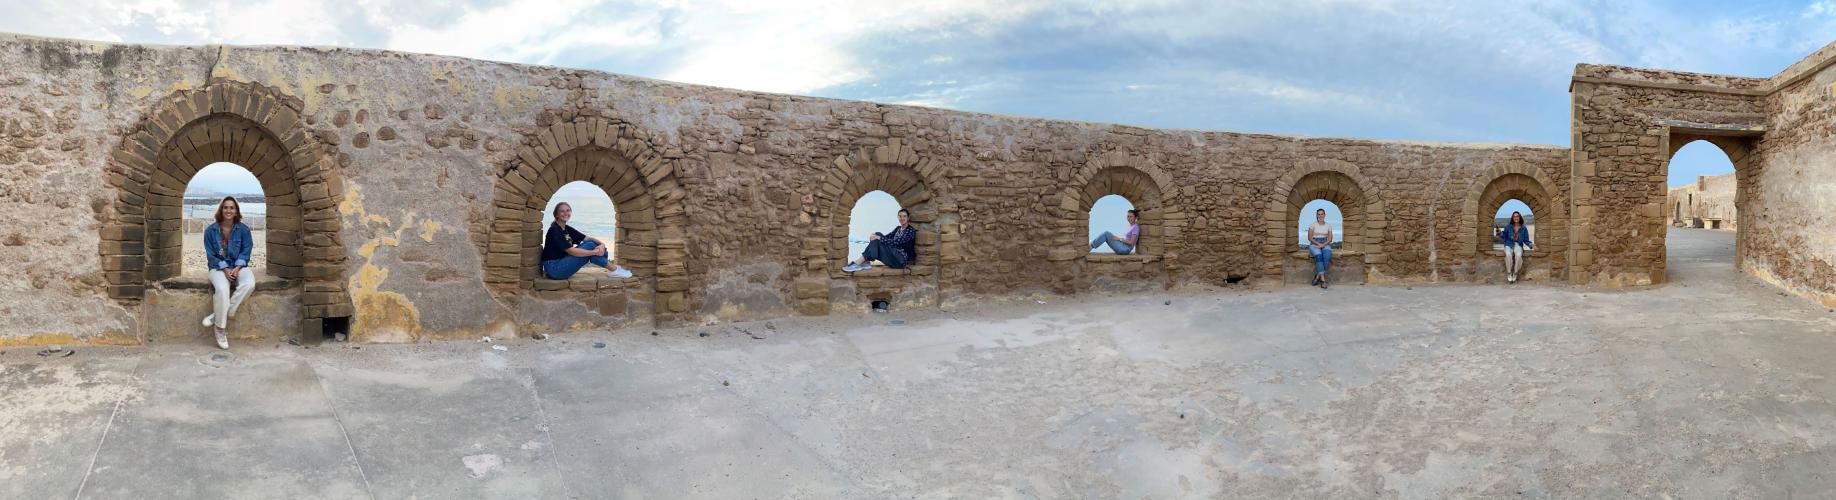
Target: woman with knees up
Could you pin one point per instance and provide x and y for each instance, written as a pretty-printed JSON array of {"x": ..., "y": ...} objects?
[
  {"x": 227, "y": 246},
  {"x": 894, "y": 248},
  {"x": 565, "y": 250},
  {"x": 1516, "y": 238},
  {"x": 1125, "y": 244},
  {"x": 1319, "y": 245}
]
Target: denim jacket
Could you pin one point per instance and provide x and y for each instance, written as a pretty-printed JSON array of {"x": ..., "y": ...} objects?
[
  {"x": 218, "y": 257},
  {"x": 1520, "y": 237}
]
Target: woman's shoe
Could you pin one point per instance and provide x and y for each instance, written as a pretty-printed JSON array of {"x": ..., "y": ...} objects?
[
  {"x": 207, "y": 319},
  {"x": 620, "y": 272},
  {"x": 1322, "y": 284},
  {"x": 222, "y": 339},
  {"x": 1316, "y": 280}
]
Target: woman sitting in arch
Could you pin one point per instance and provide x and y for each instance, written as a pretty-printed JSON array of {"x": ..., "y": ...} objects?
[
  {"x": 1125, "y": 244},
  {"x": 565, "y": 250},
  {"x": 1319, "y": 244},
  {"x": 227, "y": 245},
  {"x": 1516, "y": 236},
  {"x": 894, "y": 248}
]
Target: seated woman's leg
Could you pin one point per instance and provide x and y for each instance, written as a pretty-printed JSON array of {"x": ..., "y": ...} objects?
[
  {"x": 884, "y": 253},
  {"x": 1100, "y": 239},
  {"x": 1120, "y": 248},
  {"x": 220, "y": 298},
  {"x": 245, "y": 285},
  {"x": 598, "y": 260},
  {"x": 563, "y": 268}
]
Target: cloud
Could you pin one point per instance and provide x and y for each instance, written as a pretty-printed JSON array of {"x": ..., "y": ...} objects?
[{"x": 1430, "y": 69}]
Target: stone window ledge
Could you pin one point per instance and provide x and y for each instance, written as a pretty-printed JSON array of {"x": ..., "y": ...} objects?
[
  {"x": 1110, "y": 257},
  {"x": 1494, "y": 252},
  {"x": 587, "y": 280},
  {"x": 1336, "y": 254},
  {"x": 883, "y": 271},
  {"x": 264, "y": 282}
]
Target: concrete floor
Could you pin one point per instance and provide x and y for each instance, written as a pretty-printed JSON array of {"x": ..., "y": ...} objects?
[{"x": 1712, "y": 386}]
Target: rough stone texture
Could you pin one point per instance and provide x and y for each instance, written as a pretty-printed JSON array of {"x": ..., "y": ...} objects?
[
  {"x": 1708, "y": 203},
  {"x": 1715, "y": 386},
  {"x": 405, "y": 189}
]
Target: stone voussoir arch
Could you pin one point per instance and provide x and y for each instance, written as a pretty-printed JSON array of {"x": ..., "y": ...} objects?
[
  {"x": 916, "y": 181},
  {"x": 1130, "y": 176},
  {"x": 620, "y": 159},
  {"x": 250, "y": 125},
  {"x": 1502, "y": 183},
  {"x": 1360, "y": 202}
]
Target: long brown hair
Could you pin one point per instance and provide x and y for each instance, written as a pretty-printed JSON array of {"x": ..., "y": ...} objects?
[{"x": 229, "y": 199}]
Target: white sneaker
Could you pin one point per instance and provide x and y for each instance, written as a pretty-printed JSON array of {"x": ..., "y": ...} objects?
[
  {"x": 222, "y": 339},
  {"x": 207, "y": 319},
  {"x": 620, "y": 273}
]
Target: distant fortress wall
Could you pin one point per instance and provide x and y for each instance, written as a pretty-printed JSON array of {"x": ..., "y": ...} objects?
[
  {"x": 1706, "y": 203},
  {"x": 404, "y": 194}
]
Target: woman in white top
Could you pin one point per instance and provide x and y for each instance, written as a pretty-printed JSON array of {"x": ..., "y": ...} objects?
[{"x": 1319, "y": 244}]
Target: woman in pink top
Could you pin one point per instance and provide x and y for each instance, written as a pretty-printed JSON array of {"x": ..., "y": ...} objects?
[{"x": 1125, "y": 244}]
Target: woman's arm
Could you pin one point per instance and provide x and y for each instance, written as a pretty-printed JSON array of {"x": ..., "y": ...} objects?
[
  {"x": 211, "y": 245},
  {"x": 247, "y": 249},
  {"x": 902, "y": 235},
  {"x": 1133, "y": 234}
]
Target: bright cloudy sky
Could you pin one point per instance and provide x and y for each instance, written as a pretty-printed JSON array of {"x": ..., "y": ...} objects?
[{"x": 1448, "y": 70}]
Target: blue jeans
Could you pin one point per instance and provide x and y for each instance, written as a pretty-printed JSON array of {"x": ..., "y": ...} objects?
[
  {"x": 562, "y": 268},
  {"x": 1321, "y": 256},
  {"x": 1118, "y": 246}
]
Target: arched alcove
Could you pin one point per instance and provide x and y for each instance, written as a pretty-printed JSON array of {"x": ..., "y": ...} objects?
[
  {"x": 619, "y": 160},
  {"x": 202, "y": 196},
  {"x": 1514, "y": 181},
  {"x": 594, "y": 213},
  {"x": 249, "y": 125},
  {"x": 914, "y": 181},
  {"x": 1310, "y": 213},
  {"x": 1340, "y": 183},
  {"x": 874, "y": 212},
  {"x": 1109, "y": 214}
]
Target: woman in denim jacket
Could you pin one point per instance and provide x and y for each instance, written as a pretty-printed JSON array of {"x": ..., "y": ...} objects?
[
  {"x": 227, "y": 245},
  {"x": 1516, "y": 238},
  {"x": 895, "y": 248}
]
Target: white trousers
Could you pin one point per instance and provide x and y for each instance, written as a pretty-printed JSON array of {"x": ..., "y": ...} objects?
[
  {"x": 1513, "y": 260},
  {"x": 223, "y": 305}
]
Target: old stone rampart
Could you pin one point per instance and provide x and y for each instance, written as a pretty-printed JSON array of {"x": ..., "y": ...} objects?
[{"x": 405, "y": 192}]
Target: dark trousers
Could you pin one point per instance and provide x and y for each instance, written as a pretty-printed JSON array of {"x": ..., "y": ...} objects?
[{"x": 884, "y": 253}]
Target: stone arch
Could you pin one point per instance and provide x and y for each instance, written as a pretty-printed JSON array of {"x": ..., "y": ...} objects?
[
  {"x": 1740, "y": 152},
  {"x": 1131, "y": 177},
  {"x": 243, "y": 123},
  {"x": 915, "y": 181},
  {"x": 621, "y": 160},
  {"x": 1523, "y": 182},
  {"x": 1338, "y": 182}
]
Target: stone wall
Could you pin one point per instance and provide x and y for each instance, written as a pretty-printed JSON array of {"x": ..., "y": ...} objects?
[
  {"x": 416, "y": 183},
  {"x": 1706, "y": 203}
]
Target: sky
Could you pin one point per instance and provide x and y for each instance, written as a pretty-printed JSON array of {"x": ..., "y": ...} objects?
[{"x": 1438, "y": 70}]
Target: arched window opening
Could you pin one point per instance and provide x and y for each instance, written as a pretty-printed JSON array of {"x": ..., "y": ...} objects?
[
  {"x": 874, "y": 212},
  {"x": 593, "y": 212},
  {"x": 1309, "y": 215},
  {"x": 202, "y": 195},
  {"x": 1502, "y": 219},
  {"x": 1702, "y": 187},
  {"x": 1110, "y": 215}
]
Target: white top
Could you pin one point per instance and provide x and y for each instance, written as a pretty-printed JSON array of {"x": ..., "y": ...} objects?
[{"x": 1318, "y": 230}]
